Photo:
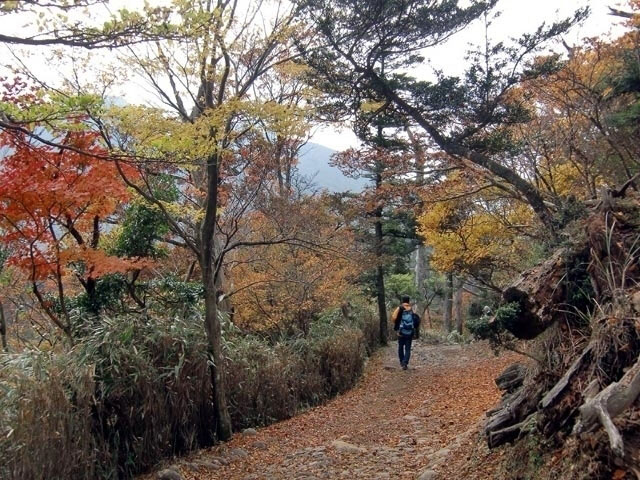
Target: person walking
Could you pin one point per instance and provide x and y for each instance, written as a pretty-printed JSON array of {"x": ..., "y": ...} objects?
[{"x": 406, "y": 322}]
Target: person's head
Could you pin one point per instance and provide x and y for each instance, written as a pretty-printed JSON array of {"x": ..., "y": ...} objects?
[{"x": 406, "y": 299}]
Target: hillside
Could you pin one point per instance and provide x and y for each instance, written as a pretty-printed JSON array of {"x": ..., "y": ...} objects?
[{"x": 314, "y": 164}]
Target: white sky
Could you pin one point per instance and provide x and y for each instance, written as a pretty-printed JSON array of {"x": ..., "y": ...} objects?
[{"x": 518, "y": 16}]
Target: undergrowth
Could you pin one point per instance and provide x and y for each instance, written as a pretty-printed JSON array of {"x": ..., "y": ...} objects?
[{"x": 136, "y": 389}]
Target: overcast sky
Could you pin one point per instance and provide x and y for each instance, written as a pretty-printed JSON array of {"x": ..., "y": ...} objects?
[{"x": 517, "y": 17}]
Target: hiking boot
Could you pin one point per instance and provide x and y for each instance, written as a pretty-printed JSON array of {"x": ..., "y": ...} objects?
[{"x": 404, "y": 366}]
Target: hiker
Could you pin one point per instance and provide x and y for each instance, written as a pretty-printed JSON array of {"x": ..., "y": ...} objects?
[{"x": 406, "y": 322}]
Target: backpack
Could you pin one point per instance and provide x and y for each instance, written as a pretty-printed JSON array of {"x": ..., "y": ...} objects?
[{"x": 406, "y": 323}]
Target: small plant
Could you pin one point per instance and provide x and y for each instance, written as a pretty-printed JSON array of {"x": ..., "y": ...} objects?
[{"x": 495, "y": 329}]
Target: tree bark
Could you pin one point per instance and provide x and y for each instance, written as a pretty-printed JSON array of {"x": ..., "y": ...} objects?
[
  {"x": 448, "y": 304},
  {"x": 211, "y": 320},
  {"x": 537, "y": 291},
  {"x": 421, "y": 273},
  {"x": 3, "y": 329},
  {"x": 511, "y": 378},
  {"x": 382, "y": 306},
  {"x": 505, "y": 422},
  {"x": 457, "y": 305}
]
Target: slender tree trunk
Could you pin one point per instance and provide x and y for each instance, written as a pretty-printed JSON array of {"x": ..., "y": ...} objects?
[
  {"x": 3, "y": 329},
  {"x": 422, "y": 257},
  {"x": 421, "y": 274},
  {"x": 457, "y": 305},
  {"x": 427, "y": 317},
  {"x": 211, "y": 321},
  {"x": 448, "y": 303},
  {"x": 382, "y": 306}
]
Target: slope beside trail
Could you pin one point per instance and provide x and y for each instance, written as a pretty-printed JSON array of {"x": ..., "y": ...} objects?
[{"x": 393, "y": 424}]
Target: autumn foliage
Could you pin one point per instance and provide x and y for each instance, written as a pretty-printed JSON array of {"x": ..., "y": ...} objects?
[{"x": 55, "y": 201}]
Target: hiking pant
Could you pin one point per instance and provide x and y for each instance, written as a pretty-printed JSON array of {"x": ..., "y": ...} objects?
[{"x": 404, "y": 348}]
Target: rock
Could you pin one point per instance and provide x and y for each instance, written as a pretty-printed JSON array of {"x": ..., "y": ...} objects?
[
  {"x": 238, "y": 453},
  {"x": 443, "y": 452},
  {"x": 209, "y": 465},
  {"x": 345, "y": 447},
  {"x": 428, "y": 475},
  {"x": 249, "y": 432},
  {"x": 169, "y": 474},
  {"x": 410, "y": 417},
  {"x": 259, "y": 445}
]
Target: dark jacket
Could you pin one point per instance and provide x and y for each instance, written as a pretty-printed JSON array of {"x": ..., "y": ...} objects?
[{"x": 396, "y": 316}]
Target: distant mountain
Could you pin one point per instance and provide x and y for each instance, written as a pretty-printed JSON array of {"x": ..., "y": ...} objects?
[{"x": 314, "y": 163}]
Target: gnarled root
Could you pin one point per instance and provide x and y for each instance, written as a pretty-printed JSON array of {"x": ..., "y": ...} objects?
[{"x": 609, "y": 403}]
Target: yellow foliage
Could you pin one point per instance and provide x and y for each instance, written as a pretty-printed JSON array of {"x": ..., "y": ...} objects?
[{"x": 472, "y": 234}]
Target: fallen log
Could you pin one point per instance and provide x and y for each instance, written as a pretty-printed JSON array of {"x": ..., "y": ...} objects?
[
  {"x": 507, "y": 434},
  {"x": 513, "y": 410},
  {"x": 511, "y": 378},
  {"x": 559, "y": 387},
  {"x": 609, "y": 403}
]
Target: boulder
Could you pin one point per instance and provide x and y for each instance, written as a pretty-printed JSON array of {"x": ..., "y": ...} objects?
[
  {"x": 346, "y": 447},
  {"x": 169, "y": 474}
]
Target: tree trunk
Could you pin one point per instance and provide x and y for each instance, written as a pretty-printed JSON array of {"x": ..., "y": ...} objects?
[
  {"x": 422, "y": 257},
  {"x": 448, "y": 304},
  {"x": 3, "y": 329},
  {"x": 421, "y": 273},
  {"x": 457, "y": 305},
  {"x": 211, "y": 320},
  {"x": 382, "y": 306},
  {"x": 427, "y": 317}
]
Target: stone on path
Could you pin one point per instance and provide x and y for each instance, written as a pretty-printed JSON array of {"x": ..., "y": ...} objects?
[
  {"x": 169, "y": 474},
  {"x": 259, "y": 445},
  {"x": 249, "y": 432},
  {"x": 208, "y": 465},
  {"x": 239, "y": 453},
  {"x": 428, "y": 475},
  {"x": 346, "y": 447}
]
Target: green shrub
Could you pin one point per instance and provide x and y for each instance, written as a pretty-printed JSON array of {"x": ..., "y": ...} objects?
[
  {"x": 506, "y": 315},
  {"x": 480, "y": 327}
]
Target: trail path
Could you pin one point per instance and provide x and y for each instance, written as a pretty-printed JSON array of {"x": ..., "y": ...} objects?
[{"x": 420, "y": 423}]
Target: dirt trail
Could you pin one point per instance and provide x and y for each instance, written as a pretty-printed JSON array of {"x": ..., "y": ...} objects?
[{"x": 394, "y": 424}]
